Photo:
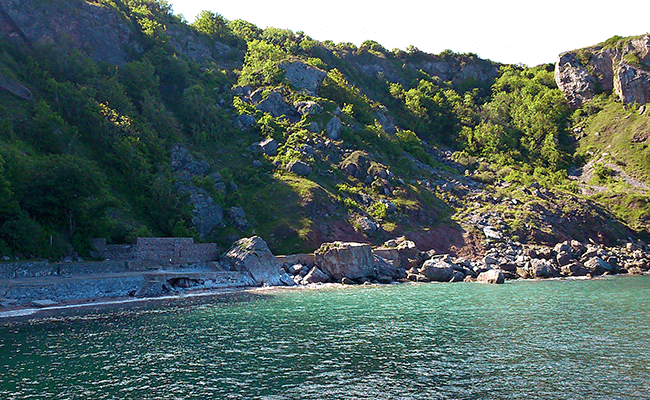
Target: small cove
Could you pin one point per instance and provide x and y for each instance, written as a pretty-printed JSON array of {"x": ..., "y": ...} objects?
[{"x": 561, "y": 339}]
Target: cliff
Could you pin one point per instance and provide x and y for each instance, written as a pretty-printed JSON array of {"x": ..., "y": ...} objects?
[{"x": 620, "y": 65}]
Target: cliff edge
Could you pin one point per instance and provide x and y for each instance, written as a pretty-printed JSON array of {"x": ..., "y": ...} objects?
[{"x": 619, "y": 64}]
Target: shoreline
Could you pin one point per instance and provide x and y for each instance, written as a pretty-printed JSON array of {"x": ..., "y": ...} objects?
[{"x": 104, "y": 305}]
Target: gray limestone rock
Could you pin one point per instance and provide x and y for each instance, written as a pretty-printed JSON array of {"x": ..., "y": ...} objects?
[
  {"x": 333, "y": 128},
  {"x": 308, "y": 107},
  {"x": 299, "y": 168},
  {"x": 315, "y": 275},
  {"x": 267, "y": 146},
  {"x": 350, "y": 259},
  {"x": 303, "y": 76},
  {"x": 275, "y": 105},
  {"x": 237, "y": 217},
  {"x": 437, "y": 270},
  {"x": 252, "y": 256},
  {"x": 494, "y": 276}
]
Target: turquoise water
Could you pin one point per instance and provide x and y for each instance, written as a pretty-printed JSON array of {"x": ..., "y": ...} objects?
[{"x": 571, "y": 339}]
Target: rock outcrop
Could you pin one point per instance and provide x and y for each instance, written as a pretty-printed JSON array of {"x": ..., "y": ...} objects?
[
  {"x": 253, "y": 257},
  {"x": 207, "y": 214},
  {"x": 345, "y": 259},
  {"x": 98, "y": 30},
  {"x": 303, "y": 76},
  {"x": 623, "y": 66}
]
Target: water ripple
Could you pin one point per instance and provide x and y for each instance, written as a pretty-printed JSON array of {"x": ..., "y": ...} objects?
[{"x": 523, "y": 340}]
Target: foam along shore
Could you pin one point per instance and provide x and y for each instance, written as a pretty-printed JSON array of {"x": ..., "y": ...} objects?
[{"x": 249, "y": 263}]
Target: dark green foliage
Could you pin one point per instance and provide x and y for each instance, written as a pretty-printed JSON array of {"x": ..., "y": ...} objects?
[{"x": 525, "y": 121}]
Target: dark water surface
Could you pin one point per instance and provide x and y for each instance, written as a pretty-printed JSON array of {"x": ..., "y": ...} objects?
[{"x": 570, "y": 339}]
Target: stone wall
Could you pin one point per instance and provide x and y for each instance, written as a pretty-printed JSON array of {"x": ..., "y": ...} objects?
[{"x": 162, "y": 252}]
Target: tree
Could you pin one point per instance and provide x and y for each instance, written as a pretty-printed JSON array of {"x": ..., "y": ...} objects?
[
  {"x": 211, "y": 24},
  {"x": 60, "y": 190}
]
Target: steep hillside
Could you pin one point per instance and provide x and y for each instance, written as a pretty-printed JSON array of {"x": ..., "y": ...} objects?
[{"x": 121, "y": 120}]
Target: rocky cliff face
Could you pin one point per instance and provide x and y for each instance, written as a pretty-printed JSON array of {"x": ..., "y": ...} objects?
[
  {"x": 458, "y": 70},
  {"x": 623, "y": 67},
  {"x": 102, "y": 32},
  {"x": 96, "y": 29}
]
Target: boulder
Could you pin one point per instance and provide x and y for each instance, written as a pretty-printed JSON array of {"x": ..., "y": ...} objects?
[
  {"x": 491, "y": 276},
  {"x": 315, "y": 275},
  {"x": 267, "y": 146},
  {"x": 356, "y": 164},
  {"x": 563, "y": 258},
  {"x": 237, "y": 217},
  {"x": 597, "y": 266},
  {"x": 245, "y": 121},
  {"x": 308, "y": 107},
  {"x": 251, "y": 256},
  {"x": 303, "y": 76},
  {"x": 275, "y": 105},
  {"x": 389, "y": 268},
  {"x": 574, "y": 269},
  {"x": 537, "y": 268},
  {"x": 333, "y": 128},
  {"x": 299, "y": 168},
  {"x": 437, "y": 270},
  {"x": 350, "y": 259},
  {"x": 458, "y": 276},
  {"x": 367, "y": 225}
]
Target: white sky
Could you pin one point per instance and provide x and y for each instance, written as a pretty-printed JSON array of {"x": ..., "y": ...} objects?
[{"x": 505, "y": 31}]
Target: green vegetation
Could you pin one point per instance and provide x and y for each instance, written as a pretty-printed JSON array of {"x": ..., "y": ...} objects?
[{"x": 90, "y": 155}]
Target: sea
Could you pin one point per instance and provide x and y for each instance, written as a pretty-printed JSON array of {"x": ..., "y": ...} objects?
[{"x": 544, "y": 339}]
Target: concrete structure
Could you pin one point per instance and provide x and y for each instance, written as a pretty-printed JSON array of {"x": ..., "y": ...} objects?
[{"x": 158, "y": 252}]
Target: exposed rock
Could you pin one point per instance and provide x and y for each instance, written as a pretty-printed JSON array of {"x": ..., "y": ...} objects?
[
  {"x": 186, "y": 41},
  {"x": 333, "y": 128},
  {"x": 437, "y": 270},
  {"x": 356, "y": 164},
  {"x": 98, "y": 30},
  {"x": 583, "y": 73},
  {"x": 185, "y": 166},
  {"x": 574, "y": 80},
  {"x": 303, "y": 76},
  {"x": 350, "y": 259},
  {"x": 632, "y": 84},
  {"x": 275, "y": 105},
  {"x": 267, "y": 146},
  {"x": 368, "y": 225},
  {"x": 14, "y": 87},
  {"x": 252, "y": 256},
  {"x": 574, "y": 269},
  {"x": 492, "y": 276},
  {"x": 245, "y": 121},
  {"x": 491, "y": 233},
  {"x": 299, "y": 168},
  {"x": 308, "y": 107},
  {"x": 237, "y": 217},
  {"x": 597, "y": 266},
  {"x": 384, "y": 267}
]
